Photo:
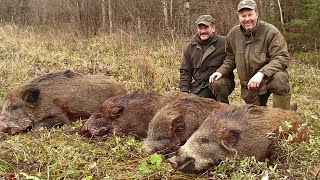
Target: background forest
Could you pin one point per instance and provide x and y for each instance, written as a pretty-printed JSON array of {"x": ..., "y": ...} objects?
[
  {"x": 298, "y": 19},
  {"x": 140, "y": 43}
]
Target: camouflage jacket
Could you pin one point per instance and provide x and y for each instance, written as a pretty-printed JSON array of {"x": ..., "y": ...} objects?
[
  {"x": 262, "y": 50},
  {"x": 197, "y": 65}
]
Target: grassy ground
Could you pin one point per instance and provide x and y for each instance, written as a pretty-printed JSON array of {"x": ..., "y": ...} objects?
[{"x": 149, "y": 63}]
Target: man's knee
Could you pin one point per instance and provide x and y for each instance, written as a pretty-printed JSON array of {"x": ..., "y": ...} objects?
[
  {"x": 206, "y": 93},
  {"x": 279, "y": 83},
  {"x": 221, "y": 89},
  {"x": 223, "y": 85}
]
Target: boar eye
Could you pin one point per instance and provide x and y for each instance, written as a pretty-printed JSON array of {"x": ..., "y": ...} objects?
[
  {"x": 13, "y": 107},
  {"x": 203, "y": 140},
  {"x": 160, "y": 138}
]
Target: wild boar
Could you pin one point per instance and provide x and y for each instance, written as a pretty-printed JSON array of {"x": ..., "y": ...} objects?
[
  {"x": 242, "y": 130},
  {"x": 55, "y": 99},
  {"x": 174, "y": 123},
  {"x": 128, "y": 114}
]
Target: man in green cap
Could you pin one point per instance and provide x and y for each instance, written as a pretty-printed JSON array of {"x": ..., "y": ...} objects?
[
  {"x": 203, "y": 56},
  {"x": 259, "y": 52}
]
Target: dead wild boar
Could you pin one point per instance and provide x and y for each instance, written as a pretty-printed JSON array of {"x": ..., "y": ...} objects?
[
  {"x": 128, "y": 114},
  {"x": 174, "y": 123},
  {"x": 55, "y": 99},
  {"x": 242, "y": 129}
]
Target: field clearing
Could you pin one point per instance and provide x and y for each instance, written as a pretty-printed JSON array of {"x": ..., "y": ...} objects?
[{"x": 148, "y": 63}]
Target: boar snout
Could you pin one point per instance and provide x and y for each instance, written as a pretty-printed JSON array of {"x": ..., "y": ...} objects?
[
  {"x": 1, "y": 117},
  {"x": 13, "y": 129},
  {"x": 88, "y": 131},
  {"x": 96, "y": 125},
  {"x": 173, "y": 162},
  {"x": 85, "y": 133},
  {"x": 147, "y": 149},
  {"x": 4, "y": 128},
  {"x": 150, "y": 148},
  {"x": 189, "y": 164},
  {"x": 186, "y": 164}
]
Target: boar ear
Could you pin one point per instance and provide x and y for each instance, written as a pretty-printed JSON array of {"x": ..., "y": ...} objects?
[
  {"x": 114, "y": 111},
  {"x": 68, "y": 73},
  {"x": 230, "y": 138},
  {"x": 254, "y": 109},
  {"x": 120, "y": 110},
  {"x": 31, "y": 96}
]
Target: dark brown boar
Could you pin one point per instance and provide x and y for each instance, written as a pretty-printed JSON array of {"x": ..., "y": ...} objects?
[
  {"x": 128, "y": 114},
  {"x": 55, "y": 99},
  {"x": 242, "y": 129},
  {"x": 174, "y": 123}
]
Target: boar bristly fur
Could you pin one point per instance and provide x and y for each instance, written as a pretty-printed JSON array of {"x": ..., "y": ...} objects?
[
  {"x": 55, "y": 99},
  {"x": 242, "y": 130},
  {"x": 174, "y": 123},
  {"x": 129, "y": 114}
]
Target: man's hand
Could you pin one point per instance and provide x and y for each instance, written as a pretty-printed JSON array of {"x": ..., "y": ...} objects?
[
  {"x": 214, "y": 76},
  {"x": 255, "y": 81}
]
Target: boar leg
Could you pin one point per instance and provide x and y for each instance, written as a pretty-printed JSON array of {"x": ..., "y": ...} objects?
[{"x": 50, "y": 122}]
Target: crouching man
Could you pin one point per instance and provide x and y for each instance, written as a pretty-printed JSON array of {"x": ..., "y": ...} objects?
[{"x": 202, "y": 57}]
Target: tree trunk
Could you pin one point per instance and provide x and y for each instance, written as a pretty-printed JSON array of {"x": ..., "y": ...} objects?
[
  {"x": 171, "y": 11},
  {"x": 187, "y": 16},
  {"x": 281, "y": 16},
  {"x": 80, "y": 16},
  {"x": 110, "y": 16},
  {"x": 103, "y": 14},
  {"x": 87, "y": 14},
  {"x": 139, "y": 24},
  {"x": 165, "y": 14}
]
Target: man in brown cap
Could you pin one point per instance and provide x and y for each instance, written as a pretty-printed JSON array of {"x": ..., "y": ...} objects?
[
  {"x": 259, "y": 52},
  {"x": 203, "y": 56}
]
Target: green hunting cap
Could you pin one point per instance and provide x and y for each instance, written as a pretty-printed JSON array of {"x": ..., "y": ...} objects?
[
  {"x": 250, "y": 4},
  {"x": 205, "y": 19}
]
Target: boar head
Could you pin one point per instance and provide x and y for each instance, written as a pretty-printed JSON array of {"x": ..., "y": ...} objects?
[
  {"x": 16, "y": 113},
  {"x": 100, "y": 124},
  {"x": 208, "y": 146},
  {"x": 163, "y": 133}
]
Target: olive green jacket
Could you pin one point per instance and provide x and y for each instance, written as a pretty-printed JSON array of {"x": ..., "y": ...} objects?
[
  {"x": 197, "y": 65},
  {"x": 262, "y": 50}
]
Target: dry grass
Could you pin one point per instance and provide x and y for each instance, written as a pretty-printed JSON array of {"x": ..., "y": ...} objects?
[{"x": 149, "y": 63}]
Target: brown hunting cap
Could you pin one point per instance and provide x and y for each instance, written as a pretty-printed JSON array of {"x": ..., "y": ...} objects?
[
  {"x": 205, "y": 19},
  {"x": 250, "y": 4}
]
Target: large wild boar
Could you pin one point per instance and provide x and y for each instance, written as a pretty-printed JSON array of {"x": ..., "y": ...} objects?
[
  {"x": 242, "y": 129},
  {"x": 55, "y": 99},
  {"x": 128, "y": 114},
  {"x": 174, "y": 123}
]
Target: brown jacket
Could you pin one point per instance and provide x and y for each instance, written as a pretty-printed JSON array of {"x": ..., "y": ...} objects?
[
  {"x": 197, "y": 65},
  {"x": 263, "y": 50}
]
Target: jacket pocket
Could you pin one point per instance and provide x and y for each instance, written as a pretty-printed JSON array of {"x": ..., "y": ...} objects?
[{"x": 257, "y": 61}]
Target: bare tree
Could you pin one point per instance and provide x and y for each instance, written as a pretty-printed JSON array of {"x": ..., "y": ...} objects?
[
  {"x": 110, "y": 16},
  {"x": 165, "y": 13},
  {"x": 103, "y": 15},
  {"x": 88, "y": 17},
  {"x": 281, "y": 16},
  {"x": 139, "y": 24},
  {"x": 186, "y": 8},
  {"x": 171, "y": 10}
]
